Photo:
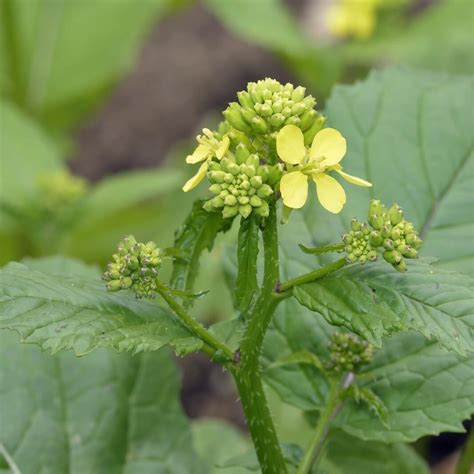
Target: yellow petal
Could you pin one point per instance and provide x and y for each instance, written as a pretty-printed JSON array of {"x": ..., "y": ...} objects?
[
  {"x": 330, "y": 144},
  {"x": 290, "y": 145},
  {"x": 354, "y": 179},
  {"x": 331, "y": 194},
  {"x": 196, "y": 179},
  {"x": 199, "y": 154},
  {"x": 294, "y": 189},
  {"x": 223, "y": 147}
]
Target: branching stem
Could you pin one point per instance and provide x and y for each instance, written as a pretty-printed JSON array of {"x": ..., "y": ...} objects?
[
  {"x": 311, "y": 276},
  {"x": 212, "y": 345}
]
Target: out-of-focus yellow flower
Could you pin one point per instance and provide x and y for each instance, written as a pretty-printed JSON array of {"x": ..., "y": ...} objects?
[
  {"x": 354, "y": 18},
  {"x": 327, "y": 150},
  {"x": 209, "y": 148}
]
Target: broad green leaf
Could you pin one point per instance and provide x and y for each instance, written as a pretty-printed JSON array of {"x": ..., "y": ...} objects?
[
  {"x": 104, "y": 413},
  {"x": 247, "y": 253},
  {"x": 57, "y": 63},
  {"x": 400, "y": 126},
  {"x": 348, "y": 454},
  {"x": 216, "y": 441},
  {"x": 59, "y": 311},
  {"x": 25, "y": 153},
  {"x": 196, "y": 235},
  {"x": 374, "y": 301},
  {"x": 253, "y": 19}
]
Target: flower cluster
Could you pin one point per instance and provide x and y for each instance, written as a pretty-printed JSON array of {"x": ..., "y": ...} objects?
[
  {"x": 266, "y": 106},
  {"x": 240, "y": 184},
  {"x": 135, "y": 265},
  {"x": 348, "y": 353},
  {"x": 388, "y": 233},
  {"x": 270, "y": 143}
]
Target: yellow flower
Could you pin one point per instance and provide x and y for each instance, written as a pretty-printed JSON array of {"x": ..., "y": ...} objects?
[
  {"x": 327, "y": 150},
  {"x": 208, "y": 149},
  {"x": 353, "y": 18}
]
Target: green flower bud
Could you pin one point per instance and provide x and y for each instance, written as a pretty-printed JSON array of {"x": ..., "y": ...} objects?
[
  {"x": 255, "y": 201},
  {"x": 245, "y": 99},
  {"x": 243, "y": 200},
  {"x": 392, "y": 256},
  {"x": 233, "y": 115},
  {"x": 400, "y": 266},
  {"x": 245, "y": 210},
  {"x": 263, "y": 210},
  {"x": 217, "y": 176},
  {"x": 215, "y": 188},
  {"x": 249, "y": 115},
  {"x": 217, "y": 202},
  {"x": 277, "y": 120},
  {"x": 259, "y": 125},
  {"x": 375, "y": 238},
  {"x": 388, "y": 244},
  {"x": 355, "y": 225},
  {"x": 310, "y": 133},
  {"x": 292, "y": 120},
  {"x": 241, "y": 153},
  {"x": 348, "y": 353},
  {"x": 347, "y": 238},
  {"x": 386, "y": 231},
  {"x": 395, "y": 214},
  {"x": 229, "y": 211},
  {"x": 264, "y": 191},
  {"x": 230, "y": 200},
  {"x": 372, "y": 256},
  {"x": 114, "y": 285},
  {"x": 256, "y": 181}
]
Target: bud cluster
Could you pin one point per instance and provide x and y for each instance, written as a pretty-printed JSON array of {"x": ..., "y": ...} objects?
[
  {"x": 241, "y": 184},
  {"x": 348, "y": 353},
  {"x": 389, "y": 233},
  {"x": 135, "y": 265},
  {"x": 267, "y": 105}
]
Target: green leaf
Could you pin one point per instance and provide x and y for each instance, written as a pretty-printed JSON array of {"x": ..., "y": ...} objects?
[
  {"x": 253, "y": 19},
  {"x": 196, "y": 235},
  {"x": 55, "y": 62},
  {"x": 25, "y": 153},
  {"x": 301, "y": 357},
  {"x": 103, "y": 413},
  {"x": 247, "y": 253},
  {"x": 374, "y": 301},
  {"x": 216, "y": 441},
  {"x": 58, "y": 312},
  {"x": 348, "y": 454}
]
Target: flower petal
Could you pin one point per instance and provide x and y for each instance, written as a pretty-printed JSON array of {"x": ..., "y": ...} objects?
[
  {"x": 223, "y": 147},
  {"x": 331, "y": 194},
  {"x": 330, "y": 145},
  {"x": 354, "y": 179},
  {"x": 290, "y": 145},
  {"x": 294, "y": 189},
  {"x": 196, "y": 179},
  {"x": 199, "y": 154}
]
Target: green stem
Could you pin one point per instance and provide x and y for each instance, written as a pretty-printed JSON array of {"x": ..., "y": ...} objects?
[
  {"x": 313, "y": 452},
  {"x": 248, "y": 376},
  {"x": 320, "y": 250},
  {"x": 212, "y": 345},
  {"x": 311, "y": 276},
  {"x": 466, "y": 461}
]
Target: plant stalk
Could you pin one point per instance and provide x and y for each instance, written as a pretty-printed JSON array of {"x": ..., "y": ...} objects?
[
  {"x": 320, "y": 250},
  {"x": 248, "y": 376},
  {"x": 212, "y": 345},
  {"x": 466, "y": 460},
  {"x": 311, "y": 276}
]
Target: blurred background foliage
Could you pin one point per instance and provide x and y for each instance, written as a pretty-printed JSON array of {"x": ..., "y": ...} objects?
[{"x": 99, "y": 102}]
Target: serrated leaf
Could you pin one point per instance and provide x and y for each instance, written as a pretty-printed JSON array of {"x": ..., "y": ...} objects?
[
  {"x": 105, "y": 413},
  {"x": 196, "y": 235},
  {"x": 247, "y": 252},
  {"x": 374, "y": 301},
  {"x": 63, "y": 312},
  {"x": 367, "y": 396}
]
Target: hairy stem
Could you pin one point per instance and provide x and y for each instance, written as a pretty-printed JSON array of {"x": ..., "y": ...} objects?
[
  {"x": 315, "y": 448},
  {"x": 311, "y": 276},
  {"x": 248, "y": 376},
  {"x": 212, "y": 345}
]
